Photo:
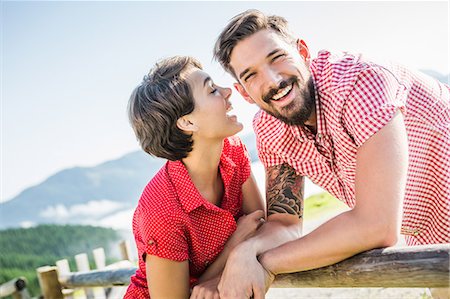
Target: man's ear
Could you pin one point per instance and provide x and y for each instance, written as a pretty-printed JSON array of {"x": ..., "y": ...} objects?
[
  {"x": 184, "y": 124},
  {"x": 303, "y": 50},
  {"x": 243, "y": 93}
]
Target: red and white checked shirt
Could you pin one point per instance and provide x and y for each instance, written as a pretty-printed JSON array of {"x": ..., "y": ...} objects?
[
  {"x": 173, "y": 221},
  {"x": 354, "y": 99}
]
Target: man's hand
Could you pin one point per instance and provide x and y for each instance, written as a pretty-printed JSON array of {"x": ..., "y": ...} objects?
[
  {"x": 206, "y": 290},
  {"x": 243, "y": 276}
]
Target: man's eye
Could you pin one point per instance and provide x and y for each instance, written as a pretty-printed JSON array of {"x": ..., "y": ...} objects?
[
  {"x": 278, "y": 56},
  {"x": 249, "y": 76},
  {"x": 214, "y": 90}
]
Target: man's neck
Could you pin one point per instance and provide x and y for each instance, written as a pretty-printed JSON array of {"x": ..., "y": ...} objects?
[{"x": 311, "y": 123}]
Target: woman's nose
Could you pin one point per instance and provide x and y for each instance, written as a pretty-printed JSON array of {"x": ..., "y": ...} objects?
[{"x": 226, "y": 92}]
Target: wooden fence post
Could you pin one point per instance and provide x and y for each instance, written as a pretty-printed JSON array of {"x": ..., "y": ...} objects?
[
  {"x": 99, "y": 257},
  {"x": 48, "y": 281},
  {"x": 64, "y": 269},
  {"x": 125, "y": 250},
  {"x": 82, "y": 262}
]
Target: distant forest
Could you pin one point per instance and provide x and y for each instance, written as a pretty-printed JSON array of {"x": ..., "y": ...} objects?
[{"x": 23, "y": 250}]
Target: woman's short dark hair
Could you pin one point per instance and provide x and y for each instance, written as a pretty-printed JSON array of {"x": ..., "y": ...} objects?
[
  {"x": 157, "y": 103},
  {"x": 244, "y": 25}
]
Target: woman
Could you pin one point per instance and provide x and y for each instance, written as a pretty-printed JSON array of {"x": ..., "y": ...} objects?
[{"x": 185, "y": 222}]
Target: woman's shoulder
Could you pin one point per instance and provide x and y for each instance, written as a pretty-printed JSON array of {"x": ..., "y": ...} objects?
[
  {"x": 159, "y": 195},
  {"x": 233, "y": 144},
  {"x": 236, "y": 150}
]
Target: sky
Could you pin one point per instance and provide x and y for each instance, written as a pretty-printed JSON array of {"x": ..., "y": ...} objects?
[{"x": 68, "y": 68}]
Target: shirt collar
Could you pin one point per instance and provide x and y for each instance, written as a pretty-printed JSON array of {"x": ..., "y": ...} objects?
[
  {"x": 188, "y": 195},
  {"x": 316, "y": 70}
]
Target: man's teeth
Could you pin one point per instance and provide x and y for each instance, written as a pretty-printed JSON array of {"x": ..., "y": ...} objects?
[{"x": 282, "y": 93}]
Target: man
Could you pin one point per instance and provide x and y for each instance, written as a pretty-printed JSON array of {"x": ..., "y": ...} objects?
[{"x": 376, "y": 137}]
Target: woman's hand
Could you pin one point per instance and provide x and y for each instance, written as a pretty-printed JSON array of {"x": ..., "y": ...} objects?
[
  {"x": 206, "y": 290},
  {"x": 246, "y": 228}
]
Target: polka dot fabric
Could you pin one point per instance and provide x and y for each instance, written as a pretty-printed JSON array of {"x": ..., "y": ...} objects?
[
  {"x": 354, "y": 100},
  {"x": 173, "y": 221}
]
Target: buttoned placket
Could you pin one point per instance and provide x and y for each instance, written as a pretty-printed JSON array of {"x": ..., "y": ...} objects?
[{"x": 323, "y": 140}]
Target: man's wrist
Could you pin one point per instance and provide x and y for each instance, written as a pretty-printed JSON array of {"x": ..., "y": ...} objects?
[
  {"x": 264, "y": 260},
  {"x": 247, "y": 247}
]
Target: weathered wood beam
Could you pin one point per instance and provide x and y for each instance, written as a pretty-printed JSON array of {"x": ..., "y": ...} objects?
[
  {"x": 394, "y": 267},
  {"x": 416, "y": 266},
  {"x": 98, "y": 278},
  {"x": 15, "y": 287}
]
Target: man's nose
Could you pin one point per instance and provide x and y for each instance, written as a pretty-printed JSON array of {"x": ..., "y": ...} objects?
[{"x": 272, "y": 77}]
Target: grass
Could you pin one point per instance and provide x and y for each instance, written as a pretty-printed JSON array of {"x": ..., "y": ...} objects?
[{"x": 320, "y": 204}]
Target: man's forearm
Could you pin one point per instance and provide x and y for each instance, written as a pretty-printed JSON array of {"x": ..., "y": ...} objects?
[
  {"x": 339, "y": 238},
  {"x": 272, "y": 234}
]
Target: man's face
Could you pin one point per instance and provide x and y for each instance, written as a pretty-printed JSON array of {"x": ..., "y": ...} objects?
[{"x": 273, "y": 74}]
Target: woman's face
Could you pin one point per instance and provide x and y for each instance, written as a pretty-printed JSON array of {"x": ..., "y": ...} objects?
[{"x": 211, "y": 116}]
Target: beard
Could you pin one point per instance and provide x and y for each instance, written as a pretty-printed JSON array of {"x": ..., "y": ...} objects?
[{"x": 296, "y": 112}]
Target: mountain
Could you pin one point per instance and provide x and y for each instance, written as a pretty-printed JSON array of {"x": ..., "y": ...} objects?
[
  {"x": 102, "y": 195},
  {"x": 81, "y": 194},
  {"x": 443, "y": 78}
]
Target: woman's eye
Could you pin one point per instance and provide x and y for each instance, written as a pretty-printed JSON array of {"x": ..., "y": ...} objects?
[{"x": 214, "y": 90}]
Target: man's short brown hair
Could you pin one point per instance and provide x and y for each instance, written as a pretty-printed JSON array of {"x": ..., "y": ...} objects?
[
  {"x": 242, "y": 26},
  {"x": 157, "y": 103}
]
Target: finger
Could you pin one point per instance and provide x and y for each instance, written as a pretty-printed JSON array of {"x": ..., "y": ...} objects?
[
  {"x": 194, "y": 294},
  {"x": 261, "y": 221},
  {"x": 256, "y": 214},
  {"x": 258, "y": 292}
]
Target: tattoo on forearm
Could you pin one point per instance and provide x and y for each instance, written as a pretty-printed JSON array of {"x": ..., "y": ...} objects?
[{"x": 284, "y": 191}]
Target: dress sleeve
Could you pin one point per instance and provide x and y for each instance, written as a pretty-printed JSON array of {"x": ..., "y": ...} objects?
[
  {"x": 372, "y": 103},
  {"x": 163, "y": 235}
]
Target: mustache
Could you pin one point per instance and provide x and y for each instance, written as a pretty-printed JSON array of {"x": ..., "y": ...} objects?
[{"x": 273, "y": 91}]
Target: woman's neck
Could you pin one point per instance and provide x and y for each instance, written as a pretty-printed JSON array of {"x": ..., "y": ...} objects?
[{"x": 202, "y": 165}]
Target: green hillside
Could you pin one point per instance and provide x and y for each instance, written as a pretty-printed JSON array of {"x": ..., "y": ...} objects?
[{"x": 24, "y": 250}]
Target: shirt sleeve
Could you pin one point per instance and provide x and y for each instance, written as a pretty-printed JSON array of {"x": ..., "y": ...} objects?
[
  {"x": 163, "y": 235},
  {"x": 375, "y": 98},
  {"x": 264, "y": 127}
]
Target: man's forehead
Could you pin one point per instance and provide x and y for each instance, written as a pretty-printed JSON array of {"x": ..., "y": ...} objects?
[{"x": 256, "y": 46}]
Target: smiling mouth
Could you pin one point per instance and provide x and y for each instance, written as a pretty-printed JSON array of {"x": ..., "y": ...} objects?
[
  {"x": 230, "y": 107},
  {"x": 282, "y": 92}
]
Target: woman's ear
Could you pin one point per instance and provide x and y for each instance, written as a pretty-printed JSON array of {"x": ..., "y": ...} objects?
[
  {"x": 185, "y": 124},
  {"x": 243, "y": 93}
]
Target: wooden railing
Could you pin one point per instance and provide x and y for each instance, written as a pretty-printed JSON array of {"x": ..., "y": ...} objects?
[
  {"x": 417, "y": 266},
  {"x": 16, "y": 288}
]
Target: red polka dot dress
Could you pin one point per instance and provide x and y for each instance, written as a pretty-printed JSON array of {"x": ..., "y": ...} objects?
[{"x": 173, "y": 221}]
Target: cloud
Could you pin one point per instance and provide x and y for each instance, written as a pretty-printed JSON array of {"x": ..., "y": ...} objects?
[{"x": 91, "y": 209}]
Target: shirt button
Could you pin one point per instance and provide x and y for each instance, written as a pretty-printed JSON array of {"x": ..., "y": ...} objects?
[
  {"x": 206, "y": 263},
  {"x": 151, "y": 242}
]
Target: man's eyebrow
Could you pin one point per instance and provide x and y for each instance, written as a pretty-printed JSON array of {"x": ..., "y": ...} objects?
[
  {"x": 273, "y": 52},
  {"x": 244, "y": 72},
  {"x": 248, "y": 69},
  {"x": 207, "y": 79}
]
